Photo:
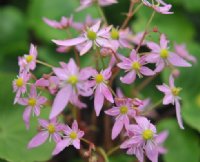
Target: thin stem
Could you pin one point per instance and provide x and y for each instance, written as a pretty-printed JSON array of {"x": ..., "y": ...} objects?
[
  {"x": 100, "y": 56},
  {"x": 158, "y": 103},
  {"x": 110, "y": 152},
  {"x": 145, "y": 32},
  {"x": 44, "y": 63},
  {"x": 130, "y": 13},
  {"x": 102, "y": 13}
]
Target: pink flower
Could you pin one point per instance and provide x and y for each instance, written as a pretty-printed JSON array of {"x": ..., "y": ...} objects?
[
  {"x": 120, "y": 38},
  {"x": 19, "y": 85},
  {"x": 100, "y": 84},
  {"x": 162, "y": 56},
  {"x": 142, "y": 140},
  {"x": 92, "y": 37},
  {"x": 73, "y": 82},
  {"x": 64, "y": 23},
  {"x": 182, "y": 51},
  {"x": 160, "y": 7},
  {"x": 33, "y": 102},
  {"x": 122, "y": 111},
  {"x": 73, "y": 136},
  {"x": 49, "y": 129},
  {"x": 134, "y": 65},
  {"x": 52, "y": 83},
  {"x": 28, "y": 62},
  {"x": 86, "y": 3},
  {"x": 172, "y": 97}
]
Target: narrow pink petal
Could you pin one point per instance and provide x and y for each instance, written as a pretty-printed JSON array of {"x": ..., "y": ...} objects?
[
  {"x": 60, "y": 101},
  {"x": 176, "y": 60},
  {"x": 163, "y": 41},
  {"x": 39, "y": 139},
  {"x": 153, "y": 46},
  {"x": 56, "y": 137},
  {"x": 146, "y": 71},
  {"x": 70, "y": 42},
  {"x": 178, "y": 114},
  {"x": 96, "y": 26},
  {"x": 151, "y": 151},
  {"x": 43, "y": 123},
  {"x": 26, "y": 116},
  {"x": 61, "y": 146},
  {"x": 75, "y": 126},
  {"x": 87, "y": 72},
  {"x": 119, "y": 93},
  {"x": 42, "y": 82},
  {"x": 133, "y": 55},
  {"x": 168, "y": 99},
  {"x": 23, "y": 101},
  {"x": 36, "y": 110},
  {"x": 72, "y": 67},
  {"x": 41, "y": 100},
  {"x": 98, "y": 101},
  {"x": 152, "y": 57},
  {"x": 86, "y": 48},
  {"x": 171, "y": 81},
  {"x": 113, "y": 111},
  {"x": 76, "y": 143},
  {"x": 60, "y": 73},
  {"x": 164, "y": 88},
  {"x": 33, "y": 91},
  {"x": 117, "y": 128},
  {"x": 129, "y": 77},
  {"x": 107, "y": 94},
  {"x": 159, "y": 65},
  {"x": 162, "y": 137},
  {"x": 139, "y": 154}
]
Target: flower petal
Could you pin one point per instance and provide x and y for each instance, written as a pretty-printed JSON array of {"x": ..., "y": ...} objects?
[
  {"x": 98, "y": 100},
  {"x": 129, "y": 77},
  {"x": 61, "y": 146},
  {"x": 117, "y": 128},
  {"x": 39, "y": 139},
  {"x": 178, "y": 113},
  {"x": 70, "y": 42}
]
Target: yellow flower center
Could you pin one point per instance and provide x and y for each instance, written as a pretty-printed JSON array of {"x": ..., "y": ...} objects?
[
  {"x": 32, "y": 102},
  {"x": 19, "y": 82},
  {"x": 136, "y": 65},
  {"x": 29, "y": 58},
  {"x": 175, "y": 91},
  {"x": 51, "y": 128},
  {"x": 147, "y": 134},
  {"x": 99, "y": 78},
  {"x": 73, "y": 135},
  {"x": 123, "y": 109},
  {"x": 73, "y": 79},
  {"x": 91, "y": 35},
  {"x": 114, "y": 34},
  {"x": 164, "y": 53}
]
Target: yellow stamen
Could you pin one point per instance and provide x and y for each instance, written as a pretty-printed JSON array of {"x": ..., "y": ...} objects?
[
  {"x": 73, "y": 79},
  {"x": 136, "y": 66},
  {"x": 29, "y": 58},
  {"x": 32, "y": 102},
  {"x": 147, "y": 134},
  {"x": 91, "y": 35},
  {"x": 164, "y": 53},
  {"x": 19, "y": 82},
  {"x": 99, "y": 78},
  {"x": 123, "y": 109},
  {"x": 51, "y": 128},
  {"x": 73, "y": 135},
  {"x": 114, "y": 34},
  {"x": 175, "y": 91}
]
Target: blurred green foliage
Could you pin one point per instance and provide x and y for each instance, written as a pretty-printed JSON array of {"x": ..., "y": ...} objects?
[{"x": 22, "y": 24}]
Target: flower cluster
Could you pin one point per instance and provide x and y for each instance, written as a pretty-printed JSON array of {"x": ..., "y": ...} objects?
[{"x": 69, "y": 83}]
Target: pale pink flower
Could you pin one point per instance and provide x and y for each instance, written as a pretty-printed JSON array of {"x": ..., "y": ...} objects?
[
  {"x": 28, "y": 62},
  {"x": 172, "y": 97},
  {"x": 134, "y": 65},
  {"x": 161, "y": 55},
  {"x": 142, "y": 140},
  {"x": 122, "y": 111},
  {"x": 120, "y": 38},
  {"x": 73, "y": 82},
  {"x": 158, "y": 6},
  {"x": 33, "y": 104},
  {"x": 52, "y": 83},
  {"x": 182, "y": 51},
  {"x": 49, "y": 129},
  {"x": 64, "y": 23},
  {"x": 19, "y": 85},
  {"x": 92, "y": 37},
  {"x": 101, "y": 88},
  {"x": 86, "y": 3},
  {"x": 72, "y": 137}
]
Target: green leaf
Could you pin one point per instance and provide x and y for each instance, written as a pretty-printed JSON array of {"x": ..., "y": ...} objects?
[
  {"x": 121, "y": 157},
  {"x": 14, "y": 33},
  {"x": 182, "y": 145},
  {"x": 13, "y": 135},
  {"x": 166, "y": 24},
  {"x": 54, "y": 9}
]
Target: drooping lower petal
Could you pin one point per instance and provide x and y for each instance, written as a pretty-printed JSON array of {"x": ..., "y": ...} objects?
[
  {"x": 98, "y": 101},
  {"x": 39, "y": 139},
  {"x": 129, "y": 77},
  {"x": 61, "y": 146},
  {"x": 178, "y": 113},
  {"x": 117, "y": 128}
]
